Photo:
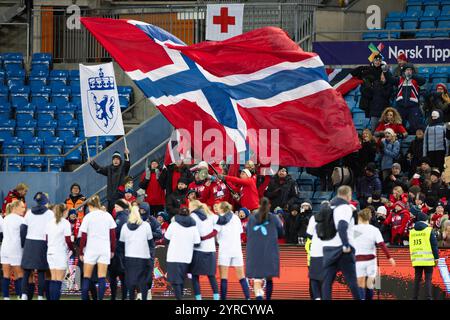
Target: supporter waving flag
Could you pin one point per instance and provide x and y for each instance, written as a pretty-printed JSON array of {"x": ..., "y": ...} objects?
[
  {"x": 342, "y": 80},
  {"x": 256, "y": 89}
]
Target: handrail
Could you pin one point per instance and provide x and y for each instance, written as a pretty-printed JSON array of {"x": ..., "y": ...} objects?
[
  {"x": 132, "y": 166},
  {"x": 2, "y": 155}
]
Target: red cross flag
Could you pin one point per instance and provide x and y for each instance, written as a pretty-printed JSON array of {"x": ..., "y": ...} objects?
[{"x": 224, "y": 21}]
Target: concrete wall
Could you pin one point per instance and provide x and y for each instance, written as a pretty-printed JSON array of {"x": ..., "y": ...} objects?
[{"x": 339, "y": 20}]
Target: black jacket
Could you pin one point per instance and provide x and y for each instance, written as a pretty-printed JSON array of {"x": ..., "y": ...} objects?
[
  {"x": 388, "y": 184},
  {"x": 165, "y": 179},
  {"x": 367, "y": 154},
  {"x": 433, "y": 101},
  {"x": 369, "y": 74},
  {"x": 115, "y": 175},
  {"x": 416, "y": 151},
  {"x": 295, "y": 226},
  {"x": 381, "y": 94},
  {"x": 174, "y": 202},
  {"x": 281, "y": 193}
]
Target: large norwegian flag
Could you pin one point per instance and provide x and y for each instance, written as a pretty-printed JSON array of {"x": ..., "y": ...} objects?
[{"x": 257, "y": 80}]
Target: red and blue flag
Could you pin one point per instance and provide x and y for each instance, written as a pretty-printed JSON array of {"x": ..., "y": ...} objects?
[{"x": 257, "y": 80}]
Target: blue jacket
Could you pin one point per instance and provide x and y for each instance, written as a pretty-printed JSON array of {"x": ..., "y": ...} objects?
[
  {"x": 368, "y": 185},
  {"x": 390, "y": 153}
]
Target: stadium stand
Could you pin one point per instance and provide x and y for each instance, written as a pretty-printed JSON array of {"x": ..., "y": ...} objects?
[
  {"x": 43, "y": 106},
  {"x": 419, "y": 14}
]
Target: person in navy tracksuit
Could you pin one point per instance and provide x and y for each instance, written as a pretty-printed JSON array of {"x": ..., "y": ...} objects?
[
  {"x": 144, "y": 210},
  {"x": 34, "y": 257},
  {"x": 116, "y": 268}
]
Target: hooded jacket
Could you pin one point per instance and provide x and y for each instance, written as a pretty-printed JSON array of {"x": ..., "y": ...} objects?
[
  {"x": 185, "y": 221},
  {"x": 115, "y": 177},
  {"x": 390, "y": 152}
]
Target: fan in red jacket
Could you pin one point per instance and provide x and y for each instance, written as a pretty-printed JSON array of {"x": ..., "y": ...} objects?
[
  {"x": 202, "y": 187},
  {"x": 248, "y": 190},
  {"x": 155, "y": 195},
  {"x": 18, "y": 193},
  {"x": 398, "y": 220}
]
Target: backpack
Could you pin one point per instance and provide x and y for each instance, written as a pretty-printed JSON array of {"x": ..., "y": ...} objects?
[{"x": 325, "y": 228}]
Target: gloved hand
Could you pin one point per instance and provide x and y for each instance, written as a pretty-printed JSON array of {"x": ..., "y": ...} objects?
[{"x": 147, "y": 173}]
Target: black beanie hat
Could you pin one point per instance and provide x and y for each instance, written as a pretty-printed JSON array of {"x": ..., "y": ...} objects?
[
  {"x": 116, "y": 154},
  {"x": 121, "y": 203}
]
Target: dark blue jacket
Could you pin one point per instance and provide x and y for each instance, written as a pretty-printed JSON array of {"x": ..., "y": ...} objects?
[{"x": 368, "y": 185}]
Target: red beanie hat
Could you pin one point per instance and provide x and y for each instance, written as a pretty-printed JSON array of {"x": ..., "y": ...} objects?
[
  {"x": 443, "y": 86},
  {"x": 400, "y": 204},
  {"x": 402, "y": 56}
]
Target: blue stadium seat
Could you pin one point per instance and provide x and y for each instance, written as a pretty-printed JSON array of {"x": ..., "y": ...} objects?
[
  {"x": 22, "y": 117},
  {"x": 305, "y": 195},
  {"x": 2, "y": 75},
  {"x": 41, "y": 56},
  {"x": 40, "y": 66},
  {"x": 393, "y": 25},
  {"x": 414, "y": 10},
  {"x": 14, "y": 141},
  {"x": 75, "y": 88},
  {"x": 360, "y": 121},
  {"x": 322, "y": 195},
  {"x": 37, "y": 80},
  {"x": 445, "y": 10},
  {"x": 56, "y": 164},
  {"x": 31, "y": 149},
  {"x": 306, "y": 182},
  {"x": 431, "y": 10},
  {"x": 47, "y": 108},
  {"x": 44, "y": 116},
  {"x": 395, "y": 15},
  {"x": 53, "y": 145},
  {"x": 25, "y": 133},
  {"x": 28, "y": 108},
  {"x": 14, "y": 72},
  {"x": 66, "y": 134},
  {"x": 76, "y": 99},
  {"x": 45, "y": 133},
  {"x": 60, "y": 98},
  {"x": 74, "y": 74},
  {"x": 51, "y": 124},
  {"x": 4, "y": 92},
  {"x": 442, "y": 70},
  {"x": 33, "y": 164},
  {"x": 74, "y": 156},
  {"x": 65, "y": 116},
  {"x": 5, "y": 109},
  {"x": 12, "y": 56},
  {"x": 15, "y": 84},
  {"x": 66, "y": 108},
  {"x": 124, "y": 103},
  {"x": 410, "y": 23}
]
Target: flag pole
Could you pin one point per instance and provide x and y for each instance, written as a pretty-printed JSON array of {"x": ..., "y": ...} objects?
[
  {"x": 126, "y": 145},
  {"x": 87, "y": 150}
]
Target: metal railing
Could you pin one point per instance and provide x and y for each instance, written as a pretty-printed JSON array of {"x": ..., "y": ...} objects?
[
  {"x": 135, "y": 165},
  {"x": 75, "y": 148},
  {"x": 186, "y": 21}
]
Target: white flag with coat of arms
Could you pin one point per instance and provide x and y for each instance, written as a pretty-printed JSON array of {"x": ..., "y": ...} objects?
[{"x": 100, "y": 101}]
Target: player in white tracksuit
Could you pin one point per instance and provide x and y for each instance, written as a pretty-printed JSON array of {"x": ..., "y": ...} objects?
[
  {"x": 97, "y": 245},
  {"x": 230, "y": 249},
  {"x": 58, "y": 234},
  {"x": 136, "y": 239},
  {"x": 11, "y": 249},
  {"x": 316, "y": 260},
  {"x": 204, "y": 256},
  {"x": 367, "y": 238}
]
